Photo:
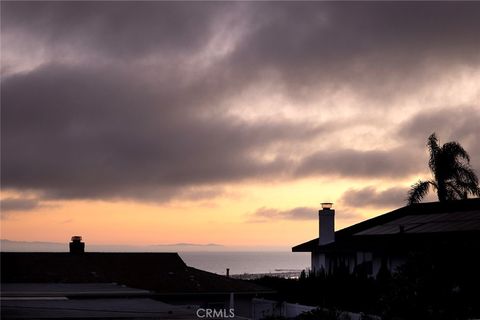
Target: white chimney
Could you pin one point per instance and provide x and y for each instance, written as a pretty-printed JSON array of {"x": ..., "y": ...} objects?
[{"x": 326, "y": 219}]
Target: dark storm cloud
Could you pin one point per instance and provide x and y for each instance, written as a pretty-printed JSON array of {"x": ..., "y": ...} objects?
[
  {"x": 371, "y": 197},
  {"x": 120, "y": 30},
  {"x": 379, "y": 48},
  {"x": 80, "y": 133},
  {"x": 18, "y": 204},
  {"x": 140, "y": 109},
  {"x": 457, "y": 124},
  {"x": 460, "y": 124},
  {"x": 300, "y": 213},
  {"x": 391, "y": 163}
]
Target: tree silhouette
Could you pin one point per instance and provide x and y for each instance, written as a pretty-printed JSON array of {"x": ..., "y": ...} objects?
[{"x": 453, "y": 178}]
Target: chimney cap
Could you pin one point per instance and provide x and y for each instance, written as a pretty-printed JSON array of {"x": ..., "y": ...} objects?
[
  {"x": 77, "y": 238},
  {"x": 327, "y": 205}
]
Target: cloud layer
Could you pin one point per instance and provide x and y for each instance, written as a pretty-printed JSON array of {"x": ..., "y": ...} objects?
[
  {"x": 371, "y": 197},
  {"x": 18, "y": 204},
  {"x": 152, "y": 101},
  {"x": 300, "y": 213}
]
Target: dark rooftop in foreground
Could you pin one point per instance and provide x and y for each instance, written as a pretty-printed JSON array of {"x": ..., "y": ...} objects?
[
  {"x": 431, "y": 223},
  {"x": 85, "y": 301},
  {"x": 69, "y": 290},
  {"x": 164, "y": 273}
]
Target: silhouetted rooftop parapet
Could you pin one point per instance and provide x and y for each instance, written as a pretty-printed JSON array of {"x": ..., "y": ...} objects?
[
  {"x": 457, "y": 218},
  {"x": 77, "y": 246},
  {"x": 164, "y": 273}
]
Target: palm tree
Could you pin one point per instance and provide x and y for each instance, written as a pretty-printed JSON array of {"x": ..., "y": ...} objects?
[{"x": 453, "y": 177}]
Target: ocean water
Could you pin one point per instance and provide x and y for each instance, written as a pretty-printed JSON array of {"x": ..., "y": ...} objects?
[{"x": 247, "y": 262}]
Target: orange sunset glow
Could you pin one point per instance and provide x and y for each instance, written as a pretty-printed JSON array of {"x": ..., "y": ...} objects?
[{"x": 224, "y": 122}]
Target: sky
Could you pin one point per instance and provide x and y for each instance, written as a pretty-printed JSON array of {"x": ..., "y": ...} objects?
[{"x": 225, "y": 122}]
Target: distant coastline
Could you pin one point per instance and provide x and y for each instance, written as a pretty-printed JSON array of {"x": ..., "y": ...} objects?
[
  {"x": 253, "y": 276},
  {"x": 45, "y": 246},
  {"x": 241, "y": 262}
]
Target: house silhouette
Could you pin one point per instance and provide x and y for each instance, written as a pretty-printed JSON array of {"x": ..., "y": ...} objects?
[{"x": 388, "y": 241}]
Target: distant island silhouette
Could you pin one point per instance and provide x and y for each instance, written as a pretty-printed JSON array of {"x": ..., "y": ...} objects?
[
  {"x": 186, "y": 244},
  {"x": 37, "y": 246}
]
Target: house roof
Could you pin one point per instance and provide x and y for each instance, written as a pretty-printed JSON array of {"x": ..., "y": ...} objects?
[
  {"x": 117, "y": 308},
  {"x": 84, "y": 301},
  {"x": 49, "y": 291},
  {"x": 417, "y": 222},
  {"x": 164, "y": 273}
]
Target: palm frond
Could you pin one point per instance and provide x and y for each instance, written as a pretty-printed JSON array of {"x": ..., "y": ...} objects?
[
  {"x": 433, "y": 150},
  {"x": 465, "y": 173},
  {"x": 452, "y": 194},
  {"x": 454, "y": 178},
  {"x": 455, "y": 191},
  {"x": 455, "y": 150},
  {"x": 418, "y": 191},
  {"x": 466, "y": 179},
  {"x": 466, "y": 187}
]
